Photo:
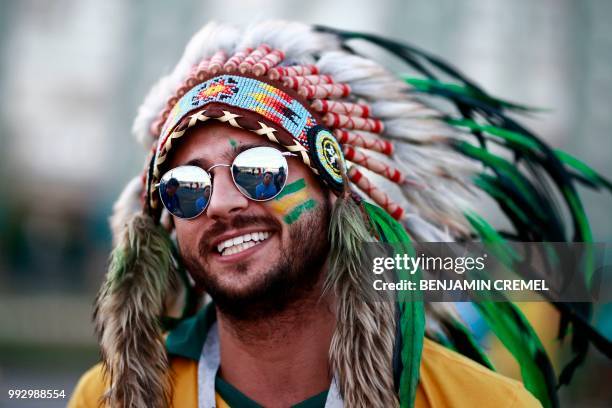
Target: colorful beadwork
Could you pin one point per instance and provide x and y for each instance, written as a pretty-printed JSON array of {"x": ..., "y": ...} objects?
[{"x": 245, "y": 93}]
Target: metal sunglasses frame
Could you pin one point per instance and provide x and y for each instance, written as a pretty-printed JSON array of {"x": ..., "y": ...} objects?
[{"x": 238, "y": 187}]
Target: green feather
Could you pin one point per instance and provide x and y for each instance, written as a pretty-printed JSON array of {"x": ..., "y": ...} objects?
[
  {"x": 412, "y": 312},
  {"x": 493, "y": 241},
  {"x": 514, "y": 138},
  {"x": 510, "y": 325},
  {"x": 434, "y": 86},
  {"x": 517, "y": 196},
  {"x": 460, "y": 339},
  {"x": 527, "y": 145},
  {"x": 585, "y": 233},
  {"x": 504, "y": 168},
  {"x": 582, "y": 168},
  {"x": 517, "y": 335},
  {"x": 491, "y": 186}
]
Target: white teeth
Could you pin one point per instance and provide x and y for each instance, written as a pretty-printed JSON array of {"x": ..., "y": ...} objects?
[{"x": 238, "y": 244}]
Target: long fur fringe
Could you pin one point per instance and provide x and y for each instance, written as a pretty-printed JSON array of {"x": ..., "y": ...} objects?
[
  {"x": 125, "y": 207},
  {"x": 362, "y": 345},
  {"x": 126, "y": 315}
]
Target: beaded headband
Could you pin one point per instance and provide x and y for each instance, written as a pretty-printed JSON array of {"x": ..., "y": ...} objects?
[{"x": 252, "y": 91}]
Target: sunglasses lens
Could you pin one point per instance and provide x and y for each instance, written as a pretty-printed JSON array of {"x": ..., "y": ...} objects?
[
  {"x": 185, "y": 191},
  {"x": 260, "y": 173}
]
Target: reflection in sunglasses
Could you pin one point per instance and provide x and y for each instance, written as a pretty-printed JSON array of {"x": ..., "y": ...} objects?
[
  {"x": 185, "y": 191},
  {"x": 259, "y": 183}
]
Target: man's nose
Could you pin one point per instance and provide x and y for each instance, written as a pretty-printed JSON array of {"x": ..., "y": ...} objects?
[{"x": 225, "y": 200}]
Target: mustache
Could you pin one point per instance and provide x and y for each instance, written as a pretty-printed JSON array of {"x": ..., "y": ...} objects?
[{"x": 239, "y": 221}]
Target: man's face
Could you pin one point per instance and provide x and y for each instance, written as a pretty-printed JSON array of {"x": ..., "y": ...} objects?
[
  {"x": 284, "y": 240},
  {"x": 267, "y": 178}
]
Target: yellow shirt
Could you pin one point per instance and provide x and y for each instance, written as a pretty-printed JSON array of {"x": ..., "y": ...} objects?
[{"x": 447, "y": 379}]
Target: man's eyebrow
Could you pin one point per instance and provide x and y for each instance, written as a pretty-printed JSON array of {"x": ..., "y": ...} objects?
[
  {"x": 241, "y": 148},
  {"x": 199, "y": 162},
  {"x": 228, "y": 156}
]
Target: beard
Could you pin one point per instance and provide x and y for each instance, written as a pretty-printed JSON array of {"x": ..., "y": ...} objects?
[{"x": 289, "y": 281}]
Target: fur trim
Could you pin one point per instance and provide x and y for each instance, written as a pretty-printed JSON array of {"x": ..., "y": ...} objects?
[
  {"x": 128, "y": 204},
  {"x": 362, "y": 345},
  {"x": 126, "y": 315},
  {"x": 151, "y": 107}
]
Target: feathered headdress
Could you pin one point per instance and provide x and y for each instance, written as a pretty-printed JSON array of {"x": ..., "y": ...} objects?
[{"x": 416, "y": 169}]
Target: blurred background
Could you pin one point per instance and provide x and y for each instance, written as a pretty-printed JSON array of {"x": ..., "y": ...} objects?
[{"x": 73, "y": 73}]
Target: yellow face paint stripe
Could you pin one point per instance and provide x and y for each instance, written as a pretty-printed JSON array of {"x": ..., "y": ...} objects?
[
  {"x": 288, "y": 202},
  {"x": 293, "y": 201}
]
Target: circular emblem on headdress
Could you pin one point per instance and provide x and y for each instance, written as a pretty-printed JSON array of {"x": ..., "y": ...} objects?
[{"x": 327, "y": 155}]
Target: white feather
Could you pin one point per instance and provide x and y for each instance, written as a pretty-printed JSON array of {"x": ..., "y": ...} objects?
[
  {"x": 298, "y": 41},
  {"x": 204, "y": 43},
  {"x": 414, "y": 126},
  {"x": 125, "y": 207}
]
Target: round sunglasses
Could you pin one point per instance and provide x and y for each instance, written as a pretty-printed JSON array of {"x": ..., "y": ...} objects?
[{"x": 259, "y": 173}]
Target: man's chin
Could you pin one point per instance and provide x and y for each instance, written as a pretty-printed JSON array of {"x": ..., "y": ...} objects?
[
  {"x": 249, "y": 298},
  {"x": 250, "y": 291},
  {"x": 240, "y": 283}
]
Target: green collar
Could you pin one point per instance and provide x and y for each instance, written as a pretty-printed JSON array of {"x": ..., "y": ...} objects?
[
  {"x": 234, "y": 398},
  {"x": 187, "y": 338}
]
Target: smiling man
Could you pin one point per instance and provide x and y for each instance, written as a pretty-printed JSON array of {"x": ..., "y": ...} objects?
[
  {"x": 290, "y": 323},
  {"x": 237, "y": 251}
]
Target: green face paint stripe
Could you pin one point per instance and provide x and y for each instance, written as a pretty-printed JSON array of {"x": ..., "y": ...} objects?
[
  {"x": 233, "y": 143},
  {"x": 297, "y": 211},
  {"x": 292, "y": 188}
]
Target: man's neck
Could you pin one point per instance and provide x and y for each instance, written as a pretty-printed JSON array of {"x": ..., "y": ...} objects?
[{"x": 280, "y": 360}]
